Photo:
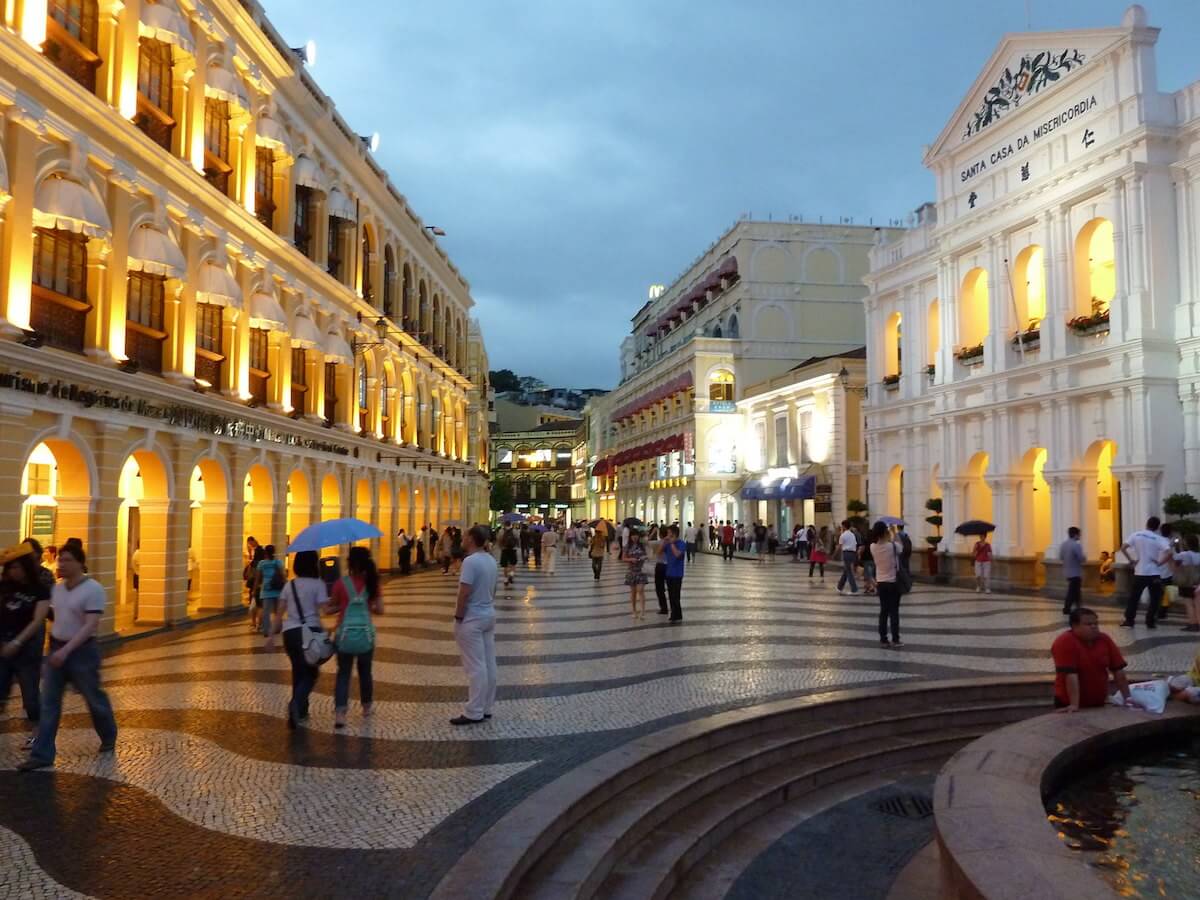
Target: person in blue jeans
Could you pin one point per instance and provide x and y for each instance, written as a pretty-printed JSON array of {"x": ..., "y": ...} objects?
[
  {"x": 268, "y": 570},
  {"x": 77, "y": 603},
  {"x": 354, "y": 611},
  {"x": 675, "y": 551},
  {"x": 848, "y": 544}
]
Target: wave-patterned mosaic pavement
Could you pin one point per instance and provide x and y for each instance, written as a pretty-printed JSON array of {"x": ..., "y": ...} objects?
[{"x": 210, "y": 795}]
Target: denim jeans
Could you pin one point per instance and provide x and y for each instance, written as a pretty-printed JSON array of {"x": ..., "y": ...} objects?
[
  {"x": 889, "y": 610},
  {"x": 304, "y": 676},
  {"x": 849, "y": 557},
  {"x": 366, "y": 685},
  {"x": 267, "y": 620},
  {"x": 26, "y": 668},
  {"x": 81, "y": 669}
]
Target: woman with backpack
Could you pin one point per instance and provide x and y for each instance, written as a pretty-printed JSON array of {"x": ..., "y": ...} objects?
[
  {"x": 250, "y": 576},
  {"x": 355, "y": 598},
  {"x": 298, "y": 611},
  {"x": 271, "y": 577}
]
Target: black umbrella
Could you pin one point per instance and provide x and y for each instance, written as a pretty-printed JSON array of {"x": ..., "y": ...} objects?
[
  {"x": 633, "y": 522},
  {"x": 975, "y": 526}
]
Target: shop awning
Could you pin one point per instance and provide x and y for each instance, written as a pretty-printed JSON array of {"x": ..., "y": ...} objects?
[
  {"x": 728, "y": 267},
  {"x": 339, "y": 205},
  {"x": 270, "y": 133},
  {"x": 304, "y": 333},
  {"x": 162, "y": 21},
  {"x": 155, "y": 252},
  {"x": 803, "y": 488},
  {"x": 306, "y": 174},
  {"x": 63, "y": 203},
  {"x": 215, "y": 285},
  {"x": 603, "y": 467},
  {"x": 221, "y": 84},
  {"x": 337, "y": 350},
  {"x": 752, "y": 489},
  {"x": 265, "y": 312}
]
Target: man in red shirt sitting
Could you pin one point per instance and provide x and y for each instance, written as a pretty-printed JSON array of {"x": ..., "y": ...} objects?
[{"x": 1083, "y": 657}]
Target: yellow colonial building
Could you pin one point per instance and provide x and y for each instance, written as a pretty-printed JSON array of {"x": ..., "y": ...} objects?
[{"x": 219, "y": 317}]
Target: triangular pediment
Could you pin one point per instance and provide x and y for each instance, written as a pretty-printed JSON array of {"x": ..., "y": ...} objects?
[{"x": 1023, "y": 69}]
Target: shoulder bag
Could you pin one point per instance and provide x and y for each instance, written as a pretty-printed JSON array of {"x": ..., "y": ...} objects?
[
  {"x": 356, "y": 634},
  {"x": 316, "y": 645}
]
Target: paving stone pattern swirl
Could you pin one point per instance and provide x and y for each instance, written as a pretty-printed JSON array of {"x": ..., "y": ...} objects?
[{"x": 210, "y": 795}]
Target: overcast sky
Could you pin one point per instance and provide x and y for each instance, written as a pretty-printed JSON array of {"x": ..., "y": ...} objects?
[{"x": 577, "y": 151}]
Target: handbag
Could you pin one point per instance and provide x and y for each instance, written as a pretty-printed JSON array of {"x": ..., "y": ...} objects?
[
  {"x": 903, "y": 576},
  {"x": 356, "y": 634},
  {"x": 316, "y": 645}
]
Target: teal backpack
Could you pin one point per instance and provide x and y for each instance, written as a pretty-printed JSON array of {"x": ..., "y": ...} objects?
[{"x": 356, "y": 634}]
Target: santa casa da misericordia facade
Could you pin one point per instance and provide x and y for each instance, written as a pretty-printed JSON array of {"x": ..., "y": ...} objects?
[
  {"x": 220, "y": 318},
  {"x": 1032, "y": 342}
]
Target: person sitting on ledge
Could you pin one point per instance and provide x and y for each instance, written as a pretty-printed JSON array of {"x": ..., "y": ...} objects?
[
  {"x": 1106, "y": 567},
  {"x": 1187, "y": 687},
  {"x": 1083, "y": 657}
]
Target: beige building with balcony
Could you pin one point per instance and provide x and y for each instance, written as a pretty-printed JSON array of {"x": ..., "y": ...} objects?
[
  {"x": 804, "y": 458},
  {"x": 1032, "y": 355},
  {"x": 540, "y": 464},
  {"x": 669, "y": 442},
  {"x": 219, "y": 317}
]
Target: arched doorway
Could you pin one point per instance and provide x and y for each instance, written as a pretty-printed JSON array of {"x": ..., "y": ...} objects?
[
  {"x": 977, "y": 494},
  {"x": 142, "y": 532},
  {"x": 259, "y": 498},
  {"x": 56, "y": 491},
  {"x": 1102, "y": 525},
  {"x": 403, "y": 509},
  {"x": 299, "y": 504},
  {"x": 1034, "y": 530},
  {"x": 362, "y": 505},
  {"x": 895, "y": 492},
  {"x": 331, "y": 498},
  {"x": 208, "y": 555},
  {"x": 383, "y": 521}
]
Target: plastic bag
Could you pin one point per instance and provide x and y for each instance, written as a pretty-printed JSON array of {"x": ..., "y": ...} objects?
[{"x": 1150, "y": 695}]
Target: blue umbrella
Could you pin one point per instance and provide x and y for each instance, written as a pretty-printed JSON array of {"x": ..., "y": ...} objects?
[
  {"x": 509, "y": 518},
  {"x": 332, "y": 533},
  {"x": 892, "y": 520}
]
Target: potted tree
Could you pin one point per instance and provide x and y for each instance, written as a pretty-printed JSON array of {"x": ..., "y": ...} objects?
[{"x": 934, "y": 505}]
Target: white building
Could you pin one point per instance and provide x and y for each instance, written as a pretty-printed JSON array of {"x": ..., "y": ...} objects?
[{"x": 1068, "y": 211}]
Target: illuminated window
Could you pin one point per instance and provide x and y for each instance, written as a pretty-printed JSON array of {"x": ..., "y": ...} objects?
[
  {"x": 299, "y": 379},
  {"x": 385, "y": 412},
  {"x": 72, "y": 33},
  {"x": 210, "y": 347},
  {"x": 335, "y": 265},
  {"x": 260, "y": 363},
  {"x": 331, "y": 381},
  {"x": 1095, "y": 268},
  {"x": 303, "y": 223},
  {"x": 973, "y": 325},
  {"x": 39, "y": 478},
  {"x": 264, "y": 186},
  {"x": 891, "y": 348},
  {"x": 144, "y": 331},
  {"x": 720, "y": 386},
  {"x": 154, "y": 100},
  {"x": 389, "y": 278},
  {"x": 1029, "y": 287},
  {"x": 505, "y": 458},
  {"x": 781, "y": 441},
  {"x": 59, "y": 308},
  {"x": 216, "y": 144},
  {"x": 368, "y": 289},
  {"x": 364, "y": 397}
]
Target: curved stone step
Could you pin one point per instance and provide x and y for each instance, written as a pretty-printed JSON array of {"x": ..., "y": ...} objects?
[
  {"x": 582, "y": 857},
  {"x": 570, "y": 835}
]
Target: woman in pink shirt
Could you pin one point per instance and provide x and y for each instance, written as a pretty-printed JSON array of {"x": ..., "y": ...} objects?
[{"x": 983, "y": 565}]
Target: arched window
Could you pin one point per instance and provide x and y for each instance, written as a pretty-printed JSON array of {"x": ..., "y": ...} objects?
[
  {"x": 1095, "y": 268},
  {"x": 733, "y": 327},
  {"x": 217, "y": 164},
  {"x": 408, "y": 311},
  {"x": 72, "y": 38},
  {"x": 386, "y": 398},
  {"x": 264, "y": 186},
  {"x": 418, "y": 403},
  {"x": 720, "y": 386},
  {"x": 331, "y": 391},
  {"x": 436, "y": 327},
  {"x": 60, "y": 303},
  {"x": 891, "y": 346},
  {"x": 299, "y": 380},
  {"x": 973, "y": 325},
  {"x": 1029, "y": 287},
  {"x": 389, "y": 287},
  {"x": 155, "y": 86},
  {"x": 435, "y": 423},
  {"x": 423, "y": 326},
  {"x": 260, "y": 362},
  {"x": 364, "y": 396},
  {"x": 368, "y": 261},
  {"x": 933, "y": 332}
]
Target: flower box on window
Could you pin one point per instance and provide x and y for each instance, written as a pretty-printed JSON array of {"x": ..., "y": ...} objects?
[
  {"x": 1029, "y": 339},
  {"x": 970, "y": 356},
  {"x": 931, "y": 370},
  {"x": 1096, "y": 323},
  {"x": 891, "y": 382}
]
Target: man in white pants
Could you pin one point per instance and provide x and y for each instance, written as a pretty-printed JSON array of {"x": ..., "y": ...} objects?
[
  {"x": 475, "y": 626},
  {"x": 550, "y": 548}
]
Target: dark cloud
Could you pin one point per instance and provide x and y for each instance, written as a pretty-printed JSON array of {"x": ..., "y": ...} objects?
[{"x": 576, "y": 152}]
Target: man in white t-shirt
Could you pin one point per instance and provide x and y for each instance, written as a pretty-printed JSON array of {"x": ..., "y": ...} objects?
[
  {"x": 690, "y": 536},
  {"x": 848, "y": 544},
  {"x": 1150, "y": 551},
  {"x": 475, "y": 626}
]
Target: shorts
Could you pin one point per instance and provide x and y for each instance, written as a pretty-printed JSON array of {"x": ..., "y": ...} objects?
[
  {"x": 983, "y": 570},
  {"x": 508, "y": 556}
]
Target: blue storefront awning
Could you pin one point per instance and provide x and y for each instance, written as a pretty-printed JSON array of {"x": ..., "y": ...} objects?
[{"x": 803, "y": 488}]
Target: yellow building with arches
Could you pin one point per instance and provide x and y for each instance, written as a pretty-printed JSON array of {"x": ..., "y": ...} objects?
[
  {"x": 1049, "y": 376},
  {"x": 218, "y": 316}
]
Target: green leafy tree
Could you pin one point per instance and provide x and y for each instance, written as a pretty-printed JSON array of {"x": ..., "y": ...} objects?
[
  {"x": 934, "y": 505},
  {"x": 1180, "y": 505},
  {"x": 502, "y": 495},
  {"x": 504, "y": 380}
]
